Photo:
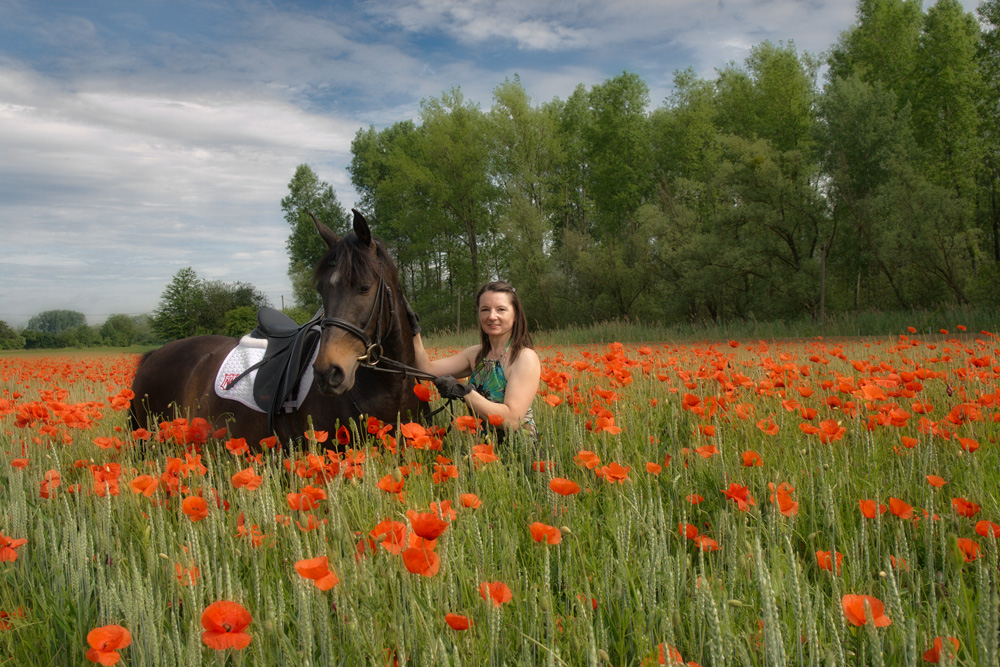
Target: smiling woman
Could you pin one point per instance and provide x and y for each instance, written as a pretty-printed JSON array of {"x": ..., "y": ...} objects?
[{"x": 503, "y": 369}]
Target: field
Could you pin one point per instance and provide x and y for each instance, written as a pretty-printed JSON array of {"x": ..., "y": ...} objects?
[{"x": 693, "y": 503}]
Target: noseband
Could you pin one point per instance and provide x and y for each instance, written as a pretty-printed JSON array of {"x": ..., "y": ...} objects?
[{"x": 373, "y": 348}]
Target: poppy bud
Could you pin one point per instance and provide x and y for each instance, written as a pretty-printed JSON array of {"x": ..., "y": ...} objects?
[
  {"x": 736, "y": 603},
  {"x": 603, "y": 655},
  {"x": 565, "y": 530},
  {"x": 269, "y": 625},
  {"x": 544, "y": 603},
  {"x": 882, "y": 574},
  {"x": 397, "y": 475}
]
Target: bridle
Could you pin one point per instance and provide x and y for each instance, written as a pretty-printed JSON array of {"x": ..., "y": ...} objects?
[{"x": 373, "y": 354}]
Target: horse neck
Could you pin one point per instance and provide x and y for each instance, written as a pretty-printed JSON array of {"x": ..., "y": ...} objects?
[{"x": 398, "y": 344}]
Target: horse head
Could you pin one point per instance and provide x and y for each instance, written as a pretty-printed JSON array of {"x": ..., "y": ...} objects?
[{"x": 359, "y": 284}]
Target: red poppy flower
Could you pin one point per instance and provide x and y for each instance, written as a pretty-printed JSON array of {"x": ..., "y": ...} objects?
[
  {"x": 825, "y": 562},
  {"x": 317, "y": 569},
  {"x": 247, "y": 479},
  {"x": 343, "y": 436},
  {"x": 936, "y": 481},
  {"x": 933, "y": 654},
  {"x": 392, "y": 535},
  {"x": 422, "y": 391},
  {"x": 484, "y": 454},
  {"x": 900, "y": 508},
  {"x": 541, "y": 532},
  {"x": 466, "y": 423},
  {"x": 144, "y": 484},
  {"x": 224, "y": 623},
  {"x": 854, "y": 610},
  {"x": 389, "y": 484},
  {"x": 964, "y": 507},
  {"x": 871, "y": 509},
  {"x": 195, "y": 507},
  {"x": 457, "y": 621},
  {"x": 653, "y": 468},
  {"x": 752, "y": 459},
  {"x": 552, "y": 399},
  {"x": 427, "y": 524},
  {"x": 496, "y": 592},
  {"x": 984, "y": 528},
  {"x": 470, "y": 500},
  {"x": 740, "y": 495},
  {"x": 494, "y": 420},
  {"x": 237, "y": 446},
  {"x": 768, "y": 426},
  {"x": 105, "y": 642},
  {"x": 968, "y": 444},
  {"x": 969, "y": 549},
  {"x": 564, "y": 487},
  {"x": 422, "y": 561},
  {"x": 613, "y": 472},
  {"x": 588, "y": 459},
  {"x": 705, "y": 543},
  {"x": 694, "y": 498}
]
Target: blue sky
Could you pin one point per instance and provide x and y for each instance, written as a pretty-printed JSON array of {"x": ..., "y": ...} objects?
[{"x": 138, "y": 138}]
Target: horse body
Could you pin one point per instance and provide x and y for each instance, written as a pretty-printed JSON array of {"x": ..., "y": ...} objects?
[{"x": 364, "y": 322}]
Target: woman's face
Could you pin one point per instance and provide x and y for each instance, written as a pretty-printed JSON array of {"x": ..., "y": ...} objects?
[{"x": 496, "y": 313}]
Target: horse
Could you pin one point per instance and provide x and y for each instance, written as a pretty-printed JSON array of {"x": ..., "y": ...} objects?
[{"x": 364, "y": 323}]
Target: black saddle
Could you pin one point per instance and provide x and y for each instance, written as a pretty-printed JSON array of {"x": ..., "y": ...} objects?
[{"x": 289, "y": 350}]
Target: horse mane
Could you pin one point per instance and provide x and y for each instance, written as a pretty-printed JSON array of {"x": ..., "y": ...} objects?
[{"x": 357, "y": 264}]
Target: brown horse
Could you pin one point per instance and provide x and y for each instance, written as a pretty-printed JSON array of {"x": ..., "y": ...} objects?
[{"x": 364, "y": 323}]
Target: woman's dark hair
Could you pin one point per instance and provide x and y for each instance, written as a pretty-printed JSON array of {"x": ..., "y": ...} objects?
[{"x": 519, "y": 336}]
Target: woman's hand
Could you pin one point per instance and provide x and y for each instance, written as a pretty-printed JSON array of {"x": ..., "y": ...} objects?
[{"x": 449, "y": 387}]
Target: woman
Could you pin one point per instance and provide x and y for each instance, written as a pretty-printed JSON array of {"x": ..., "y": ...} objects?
[{"x": 503, "y": 368}]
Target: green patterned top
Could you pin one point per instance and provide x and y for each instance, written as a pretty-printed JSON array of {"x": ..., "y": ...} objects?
[{"x": 489, "y": 380}]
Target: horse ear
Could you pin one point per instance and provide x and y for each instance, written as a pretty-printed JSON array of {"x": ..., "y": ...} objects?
[
  {"x": 329, "y": 237},
  {"x": 361, "y": 228}
]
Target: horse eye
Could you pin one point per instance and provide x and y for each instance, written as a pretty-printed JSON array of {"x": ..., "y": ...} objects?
[{"x": 365, "y": 288}]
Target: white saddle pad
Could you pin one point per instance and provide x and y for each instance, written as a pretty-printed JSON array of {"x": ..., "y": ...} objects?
[{"x": 246, "y": 354}]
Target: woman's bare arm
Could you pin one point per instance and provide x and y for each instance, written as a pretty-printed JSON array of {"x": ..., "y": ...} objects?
[{"x": 459, "y": 365}]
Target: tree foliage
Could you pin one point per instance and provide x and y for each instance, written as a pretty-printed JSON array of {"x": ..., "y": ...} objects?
[
  {"x": 190, "y": 306},
  {"x": 56, "y": 321},
  {"x": 308, "y": 196},
  {"x": 762, "y": 192},
  {"x": 10, "y": 339}
]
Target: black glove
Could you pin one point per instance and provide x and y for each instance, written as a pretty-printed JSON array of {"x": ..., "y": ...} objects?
[
  {"x": 449, "y": 387},
  {"x": 412, "y": 318}
]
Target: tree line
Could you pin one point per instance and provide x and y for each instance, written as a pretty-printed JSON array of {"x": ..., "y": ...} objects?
[
  {"x": 189, "y": 306},
  {"x": 762, "y": 193}
]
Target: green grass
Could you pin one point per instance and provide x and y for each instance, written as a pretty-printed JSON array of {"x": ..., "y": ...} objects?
[
  {"x": 759, "y": 599},
  {"x": 857, "y": 324}
]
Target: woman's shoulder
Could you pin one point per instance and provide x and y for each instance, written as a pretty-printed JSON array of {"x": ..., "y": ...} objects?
[{"x": 526, "y": 358}]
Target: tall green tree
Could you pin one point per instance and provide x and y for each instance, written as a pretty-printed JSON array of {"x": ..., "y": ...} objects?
[
  {"x": 56, "y": 321},
  {"x": 119, "y": 331},
  {"x": 10, "y": 339},
  {"x": 437, "y": 202},
  {"x": 988, "y": 208},
  {"x": 865, "y": 139},
  {"x": 525, "y": 152},
  {"x": 309, "y": 195},
  {"x": 949, "y": 86},
  {"x": 881, "y": 46},
  {"x": 179, "y": 310}
]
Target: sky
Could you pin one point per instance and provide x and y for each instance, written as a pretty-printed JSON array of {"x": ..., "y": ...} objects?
[{"x": 138, "y": 138}]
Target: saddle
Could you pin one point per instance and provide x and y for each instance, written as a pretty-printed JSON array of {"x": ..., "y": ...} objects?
[{"x": 289, "y": 351}]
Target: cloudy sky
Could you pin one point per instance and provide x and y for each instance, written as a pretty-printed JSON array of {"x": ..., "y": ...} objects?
[{"x": 138, "y": 138}]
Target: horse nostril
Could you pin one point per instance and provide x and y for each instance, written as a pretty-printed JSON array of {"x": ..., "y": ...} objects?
[{"x": 333, "y": 376}]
